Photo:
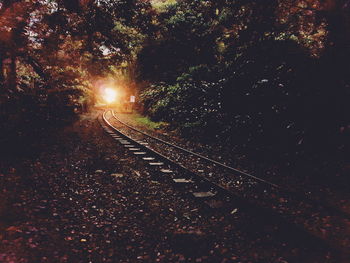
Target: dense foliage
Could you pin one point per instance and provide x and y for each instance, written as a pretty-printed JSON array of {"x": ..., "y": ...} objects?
[
  {"x": 267, "y": 75},
  {"x": 270, "y": 76},
  {"x": 53, "y": 52}
]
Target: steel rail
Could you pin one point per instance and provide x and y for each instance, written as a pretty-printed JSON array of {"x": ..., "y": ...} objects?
[
  {"x": 296, "y": 194},
  {"x": 247, "y": 204},
  {"x": 200, "y": 156},
  {"x": 170, "y": 161},
  {"x": 243, "y": 203}
]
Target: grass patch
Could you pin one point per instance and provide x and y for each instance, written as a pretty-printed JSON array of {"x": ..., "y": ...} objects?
[
  {"x": 145, "y": 121},
  {"x": 162, "y": 5}
]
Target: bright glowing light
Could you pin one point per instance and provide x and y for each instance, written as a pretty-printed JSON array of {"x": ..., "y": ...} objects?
[{"x": 109, "y": 95}]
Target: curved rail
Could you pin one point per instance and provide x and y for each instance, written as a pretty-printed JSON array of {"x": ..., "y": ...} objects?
[
  {"x": 243, "y": 202},
  {"x": 199, "y": 155},
  {"x": 296, "y": 194},
  {"x": 168, "y": 160}
]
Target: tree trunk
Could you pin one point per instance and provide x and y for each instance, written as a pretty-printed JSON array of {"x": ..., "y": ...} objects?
[{"x": 37, "y": 68}]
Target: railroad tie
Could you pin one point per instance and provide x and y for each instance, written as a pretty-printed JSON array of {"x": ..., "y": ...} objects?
[
  {"x": 134, "y": 149},
  {"x": 203, "y": 194},
  {"x": 156, "y": 164},
  {"x": 139, "y": 153},
  {"x": 166, "y": 171},
  {"x": 182, "y": 181},
  {"x": 148, "y": 158}
]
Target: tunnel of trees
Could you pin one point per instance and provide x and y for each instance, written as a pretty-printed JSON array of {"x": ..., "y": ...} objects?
[{"x": 269, "y": 76}]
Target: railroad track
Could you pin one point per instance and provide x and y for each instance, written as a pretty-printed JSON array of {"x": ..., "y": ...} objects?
[
  {"x": 211, "y": 181},
  {"x": 242, "y": 174},
  {"x": 166, "y": 165}
]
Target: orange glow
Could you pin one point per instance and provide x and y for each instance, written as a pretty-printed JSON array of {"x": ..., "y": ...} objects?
[{"x": 109, "y": 95}]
